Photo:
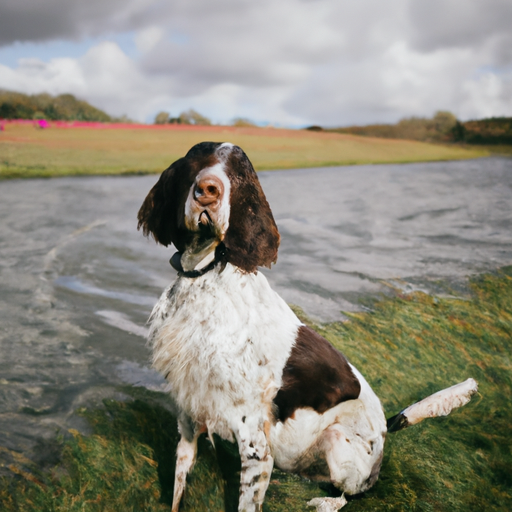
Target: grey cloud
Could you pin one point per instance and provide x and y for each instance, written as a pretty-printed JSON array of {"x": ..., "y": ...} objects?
[
  {"x": 502, "y": 51},
  {"x": 227, "y": 41},
  {"x": 43, "y": 20},
  {"x": 195, "y": 68},
  {"x": 265, "y": 47},
  {"x": 26, "y": 20},
  {"x": 440, "y": 24}
]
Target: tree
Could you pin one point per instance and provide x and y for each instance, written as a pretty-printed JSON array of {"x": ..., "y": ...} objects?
[
  {"x": 243, "y": 122},
  {"x": 162, "y": 118},
  {"x": 444, "y": 122},
  {"x": 192, "y": 117},
  {"x": 459, "y": 132}
]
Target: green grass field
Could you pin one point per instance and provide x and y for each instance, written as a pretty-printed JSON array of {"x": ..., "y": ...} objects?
[
  {"x": 408, "y": 346},
  {"x": 29, "y": 152}
]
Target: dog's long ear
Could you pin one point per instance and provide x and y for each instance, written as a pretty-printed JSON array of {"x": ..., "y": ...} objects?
[
  {"x": 154, "y": 213},
  {"x": 160, "y": 212},
  {"x": 252, "y": 239}
]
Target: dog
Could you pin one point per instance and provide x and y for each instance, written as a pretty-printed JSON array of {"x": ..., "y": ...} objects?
[{"x": 239, "y": 362}]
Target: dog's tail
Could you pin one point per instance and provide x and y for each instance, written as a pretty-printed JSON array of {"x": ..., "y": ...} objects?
[{"x": 441, "y": 403}]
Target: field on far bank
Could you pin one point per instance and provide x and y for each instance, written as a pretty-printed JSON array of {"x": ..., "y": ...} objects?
[{"x": 28, "y": 152}]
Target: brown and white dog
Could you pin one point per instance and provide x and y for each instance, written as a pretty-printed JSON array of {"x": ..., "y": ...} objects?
[{"x": 239, "y": 362}]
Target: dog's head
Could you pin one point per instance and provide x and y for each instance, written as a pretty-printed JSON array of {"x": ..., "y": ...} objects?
[{"x": 212, "y": 196}]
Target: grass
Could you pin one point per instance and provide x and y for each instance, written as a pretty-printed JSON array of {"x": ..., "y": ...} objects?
[
  {"x": 500, "y": 150},
  {"x": 26, "y": 152},
  {"x": 408, "y": 346}
]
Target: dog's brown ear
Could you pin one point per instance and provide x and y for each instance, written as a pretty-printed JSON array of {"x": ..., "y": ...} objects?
[
  {"x": 252, "y": 239},
  {"x": 153, "y": 215},
  {"x": 160, "y": 212}
]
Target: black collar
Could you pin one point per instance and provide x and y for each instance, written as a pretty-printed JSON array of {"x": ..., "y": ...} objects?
[{"x": 175, "y": 262}]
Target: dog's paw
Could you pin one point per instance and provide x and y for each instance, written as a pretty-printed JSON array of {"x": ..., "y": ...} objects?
[{"x": 328, "y": 504}]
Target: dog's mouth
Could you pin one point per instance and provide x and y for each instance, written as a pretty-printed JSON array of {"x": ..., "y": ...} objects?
[
  {"x": 200, "y": 251},
  {"x": 205, "y": 220}
]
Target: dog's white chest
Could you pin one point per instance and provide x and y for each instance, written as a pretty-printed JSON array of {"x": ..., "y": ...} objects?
[{"x": 222, "y": 341}]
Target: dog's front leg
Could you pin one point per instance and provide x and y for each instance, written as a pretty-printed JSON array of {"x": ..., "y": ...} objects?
[
  {"x": 185, "y": 458},
  {"x": 257, "y": 463}
]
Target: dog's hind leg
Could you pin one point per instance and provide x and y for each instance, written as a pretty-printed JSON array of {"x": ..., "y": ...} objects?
[
  {"x": 186, "y": 453},
  {"x": 257, "y": 463}
]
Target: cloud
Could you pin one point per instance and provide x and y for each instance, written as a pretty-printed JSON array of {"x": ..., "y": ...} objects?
[
  {"x": 104, "y": 75},
  {"x": 263, "y": 45},
  {"x": 439, "y": 24},
  {"x": 289, "y": 62},
  {"x": 147, "y": 38},
  {"x": 25, "y": 20},
  {"x": 389, "y": 68}
]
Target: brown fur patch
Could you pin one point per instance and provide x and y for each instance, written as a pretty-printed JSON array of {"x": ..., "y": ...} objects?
[{"x": 316, "y": 375}]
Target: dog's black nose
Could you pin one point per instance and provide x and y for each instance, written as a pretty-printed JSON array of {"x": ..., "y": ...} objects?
[{"x": 208, "y": 190}]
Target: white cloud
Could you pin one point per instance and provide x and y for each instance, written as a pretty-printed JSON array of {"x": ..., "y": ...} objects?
[
  {"x": 58, "y": 76},
  {"x": 488, "y": 95},
  {"x": 104, "y": 75},
  {"x": 289, "y": 62}
]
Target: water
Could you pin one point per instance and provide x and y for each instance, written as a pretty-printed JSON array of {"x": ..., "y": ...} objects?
[{"x": 78, "y": 281}]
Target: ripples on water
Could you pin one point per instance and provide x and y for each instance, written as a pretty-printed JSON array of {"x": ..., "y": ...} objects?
[{"x": 78, "y": 281}]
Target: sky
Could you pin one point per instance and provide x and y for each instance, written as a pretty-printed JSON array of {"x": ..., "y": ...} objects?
[{"x": 283, "y": 62}]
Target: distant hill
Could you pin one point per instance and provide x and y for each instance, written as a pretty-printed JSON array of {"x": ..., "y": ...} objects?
[
  {"x": 15, "y": 105},
  {"x": 442, "y": 127}
]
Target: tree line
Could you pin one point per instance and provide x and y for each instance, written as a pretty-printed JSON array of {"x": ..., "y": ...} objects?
[
  {"x": 188, "y": 117},
  {"x": 64, "y": 107},
  {"x": 191, "y": 116},
  {"x": 442, "y": 127}
]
